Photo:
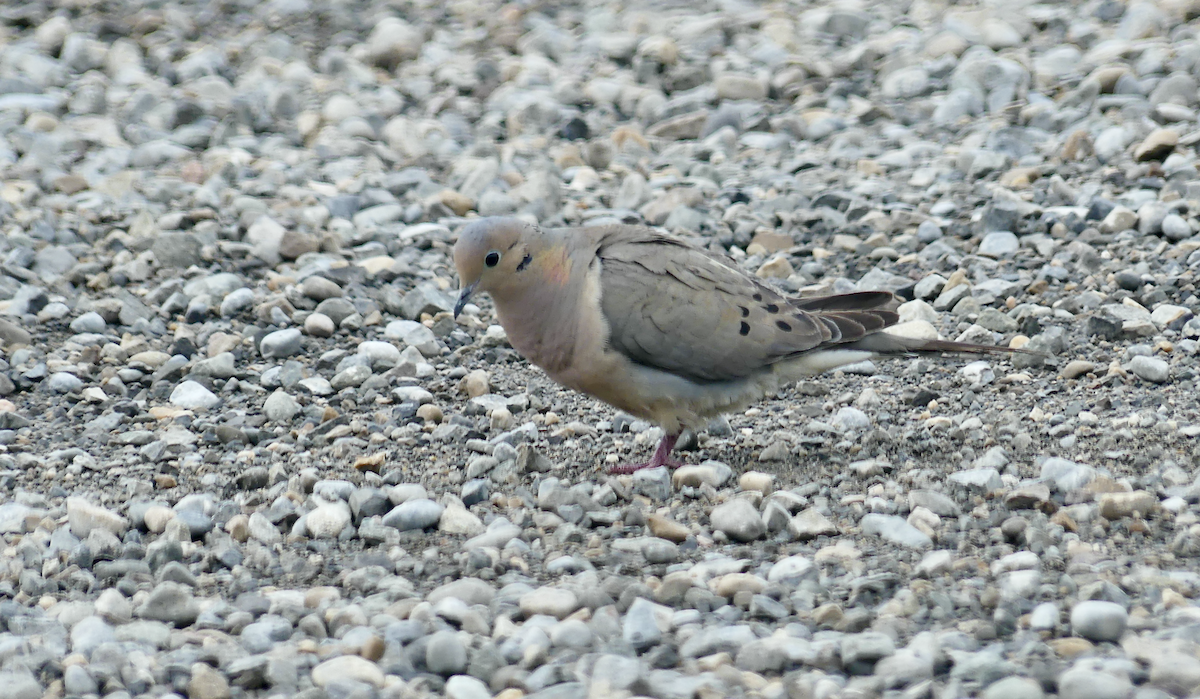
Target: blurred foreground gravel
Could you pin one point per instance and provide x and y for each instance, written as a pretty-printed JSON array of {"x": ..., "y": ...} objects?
[{"x": 245, "y": 451}]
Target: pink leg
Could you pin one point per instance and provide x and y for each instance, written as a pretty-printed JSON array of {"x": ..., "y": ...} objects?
[{"x": 662, "y": 457}]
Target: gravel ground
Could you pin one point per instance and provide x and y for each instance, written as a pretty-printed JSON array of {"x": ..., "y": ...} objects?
[{"x": 245, "y": 451}]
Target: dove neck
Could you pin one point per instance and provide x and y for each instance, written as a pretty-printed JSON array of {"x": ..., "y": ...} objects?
[{"x": 539, "y": 326}]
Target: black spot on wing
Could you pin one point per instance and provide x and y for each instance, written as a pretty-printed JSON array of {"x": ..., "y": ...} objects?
[
  {"x": 783, "y": 326},
  {"x": 745, "y": 311},
  {"x": 757, "y": 296},
  {"x": 772, "y": 308},
  {"x": 745, "y": 329},
  {"x": 524, "y": 262}
]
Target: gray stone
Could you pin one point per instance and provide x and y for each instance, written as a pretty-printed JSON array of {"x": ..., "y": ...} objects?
[
  {"x": 1098, "y": 621},
  {"x": 20, "y": 685},
  {"x": 738, "y": 520},
  {"x": 1014, "y": 688},
  {"x": 896, "y": 530},
  {"x": 414, "y": 514},
  {"x": 282, "y": 343},
  {"x": 170, "y": 602},
  {"x": 90, "y": 322},
  {"x": 445, "y": 654},
  {"x": 62, "y": 382},
  {"x": 1150, "y": 368},
  {"x": 999, "y": 244},
  {"x": 280, "y": 407}
]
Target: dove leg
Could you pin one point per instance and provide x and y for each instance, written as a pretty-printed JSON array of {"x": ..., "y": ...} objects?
[{"x": 661, "y": 457}]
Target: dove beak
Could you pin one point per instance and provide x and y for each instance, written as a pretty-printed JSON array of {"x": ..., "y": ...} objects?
[{"x": 463, "y": 297}]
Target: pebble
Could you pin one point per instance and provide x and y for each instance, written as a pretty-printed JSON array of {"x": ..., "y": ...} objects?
[
  {"x": 1014, "y": 688},
  {"x": 85, "y": 517},
  {"x": 328, "y": 520},
  {"x": 550, "y": 601},
  {"x": 738, "y": 520},
  {"x": 191, "y": 395},
  {"x": 1099, "y": 621},
  {"x": 1150, "y": 368},
  {"x": 896, "y": 530},
  {"x": 419, "y": 513},
  {"x": 281, "y": 344},
  {"x": 347, "y": 667}
]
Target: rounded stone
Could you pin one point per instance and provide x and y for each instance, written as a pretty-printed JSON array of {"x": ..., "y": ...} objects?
[
  {"x": 319, "y": 325},
  {"x": 445, "y": 654},
  {"x": 551, "y": 601},
  {"x": 738, "y": 520},
  {"x": 281, "y": 343},
  {"x": 1099, "y": 621},
  {"x": 347, "y": 667}
]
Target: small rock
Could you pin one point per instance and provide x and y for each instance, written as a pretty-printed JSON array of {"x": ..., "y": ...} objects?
[
  {"x": 280, "y": 407},
  {"x": 1076, "y": 368},
  {"x": 1150, "y": 368},
  {"x": 445, "y": 654},
  {"x": 328, "y": 520},
  {"x": 1157, "y": 146},
  {"x": 319, "y": 325},
  {"x": 281, "y": 344},
  {"x": 1099, "y": 621},
  {"x": 192, "y": 395},
  {"x": 551, "y": 601},
  {"x": 1120, "y": 505},
  {"x": 415, "y": 514},
  {"x": 1014, "y": 688},
  {"x": 999, "y": 244},
  {"x": 347, "y": 667},
  {"x": 83, "y": 517},
  {"x": 207, "y": 683},
  {"x": 738, "y": 520},
  {"x": 896, "y": 530}
]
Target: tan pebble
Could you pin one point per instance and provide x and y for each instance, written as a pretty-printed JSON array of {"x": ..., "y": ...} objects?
[
  {"x": 372, "y": 648},
  {"x": 371, "y": 462},
  {"x": 1071, "y": 647},
  {"x": 501, "y": 419},
  {"x": 315, "y": 596},
  {"x": 238, "y": 527},
  {"x": 728, "y": 585},
  {"x": 777, "y": 267},
  {"x": 319, "y": 325},
  {"x": 1172, "y": 599},
  {"x": 668, "y": 529},
  {"x": 757, "y": 480},
  {"x": 165, "y": 481},
  {"x": 827, "y": 614},
  {"x": 460, "y": 204},
  {"x": 156, "y": 518},
  {"x": 475, "y": 384},
  {"x": 1076, "y": 368},
  {"x": 430, "y": 413}
]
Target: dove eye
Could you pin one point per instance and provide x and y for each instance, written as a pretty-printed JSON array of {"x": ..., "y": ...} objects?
[{"x": 492, "y": 259}]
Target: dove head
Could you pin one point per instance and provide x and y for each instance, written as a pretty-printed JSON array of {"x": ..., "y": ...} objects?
[{"x": 492, "y": 255}]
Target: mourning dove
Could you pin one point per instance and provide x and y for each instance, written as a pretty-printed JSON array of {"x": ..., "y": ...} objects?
[{"x": 661, "y": 329}]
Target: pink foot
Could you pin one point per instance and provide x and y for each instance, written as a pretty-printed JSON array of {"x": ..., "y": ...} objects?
[{"x": 661, "y": 457}]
